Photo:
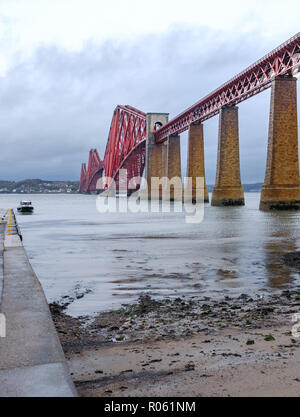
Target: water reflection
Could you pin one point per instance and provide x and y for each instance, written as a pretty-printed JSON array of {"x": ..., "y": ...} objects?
[{"x": 281, "y": 238}]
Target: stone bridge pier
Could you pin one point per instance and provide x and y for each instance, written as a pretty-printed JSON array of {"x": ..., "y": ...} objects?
[
  {"x": 174, "y": 167},
  {"x": 228, "y": 190},
  {"x": 281, "y": 190},
  {"x": 196, "y": 160}
]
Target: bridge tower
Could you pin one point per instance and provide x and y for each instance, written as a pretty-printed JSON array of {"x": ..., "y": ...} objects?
[
  {"x": 156, "y": 166},
  {"x": 281, "y": 190}
]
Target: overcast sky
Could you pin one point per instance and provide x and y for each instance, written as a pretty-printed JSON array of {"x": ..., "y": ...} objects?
[{"x": 66, "y": 64}]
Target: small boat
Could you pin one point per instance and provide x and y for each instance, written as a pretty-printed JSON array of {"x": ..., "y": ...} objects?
[{"x": 25, "y": 207}]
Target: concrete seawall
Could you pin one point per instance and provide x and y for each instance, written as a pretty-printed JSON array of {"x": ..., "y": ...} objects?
[{"x": 32, "y": 362}]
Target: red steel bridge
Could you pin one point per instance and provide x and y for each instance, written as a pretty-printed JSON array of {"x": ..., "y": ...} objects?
[{"x": 126, "y": 143}]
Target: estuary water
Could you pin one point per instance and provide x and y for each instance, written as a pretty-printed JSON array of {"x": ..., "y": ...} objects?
[{"x": 112, "y": 259}]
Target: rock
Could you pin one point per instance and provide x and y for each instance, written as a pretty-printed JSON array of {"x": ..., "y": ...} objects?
[
  {"x": 79, "y": 296},
  {"x": 114, "y": 328},
  {"x": 292, "y": 259},
  {"x": 120, "y": 338},
  {"x": 190, "y": 367},
  {"x": 243, "y": 297}
]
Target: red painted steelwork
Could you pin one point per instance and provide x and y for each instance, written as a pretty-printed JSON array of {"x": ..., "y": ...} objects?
[
  {"x": 82, "y": 184},
  {"x": 134, "y": 164},
  {"x": 124, "y": 150},
  {"x": 94, "y": 171},
  {"x": 284, "y": 60}
]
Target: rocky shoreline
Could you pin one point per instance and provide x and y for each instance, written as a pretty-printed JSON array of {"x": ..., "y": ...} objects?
[
  {"x": 154, "y": 320},
  {"x": 248, "y": 323}
]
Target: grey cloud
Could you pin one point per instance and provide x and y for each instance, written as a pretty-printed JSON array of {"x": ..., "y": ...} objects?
[{"x": 58, "y": 104}]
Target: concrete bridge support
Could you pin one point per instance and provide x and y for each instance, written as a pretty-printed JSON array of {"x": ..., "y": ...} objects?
[
  {"x": 281, "y": 190},
  {"x": 196, "y": 159},
  {"x": 228, "y": 190},
  {"x": 174, "y": 167}
]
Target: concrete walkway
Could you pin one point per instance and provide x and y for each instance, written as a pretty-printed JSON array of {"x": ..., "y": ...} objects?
[
  {"x": 32, "y": 362},
  {"x": 3, "y": 214},
  {"x": 1, "y": 259}
]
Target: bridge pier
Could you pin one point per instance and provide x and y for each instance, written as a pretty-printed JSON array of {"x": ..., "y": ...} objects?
[
  {"x": 228, "y": 190},
  {"x": 156, "y": 157},
  {"x": 196, "y": 159},
  {"x": 174, "y": 166},
  {"x": 281, "y": 190}
]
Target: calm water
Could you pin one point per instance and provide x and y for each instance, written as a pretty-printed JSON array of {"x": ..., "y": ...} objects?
[{"x": 117, "y": 257}]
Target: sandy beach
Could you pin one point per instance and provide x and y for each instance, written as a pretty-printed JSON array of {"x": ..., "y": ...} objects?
[{"x": 233, "y": 347}]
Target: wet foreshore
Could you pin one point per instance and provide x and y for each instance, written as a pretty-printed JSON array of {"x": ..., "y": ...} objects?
[
  {"x": 234, "y": 331},
  {"x": 181, "y": 317}
]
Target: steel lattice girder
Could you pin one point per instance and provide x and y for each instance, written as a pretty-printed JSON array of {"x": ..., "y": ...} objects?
[
  {"x": 134, "y": 164},
  {"x": 124, "y": 150},
  {"x": 82, "y": 184},
  {"x": 94, "y": 171},
  {"x": 284, "y": 60}
]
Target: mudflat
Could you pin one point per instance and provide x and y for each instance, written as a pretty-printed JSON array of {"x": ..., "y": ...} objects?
[{"x": 185, "y": 347}]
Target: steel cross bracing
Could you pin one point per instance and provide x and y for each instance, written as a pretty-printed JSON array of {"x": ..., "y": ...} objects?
[
  {"x": 126, "y": 144},
  {"x": 94, "y": 171},
  {"x": 82, "y": 184},
  {"x": 284, "y": 60}
]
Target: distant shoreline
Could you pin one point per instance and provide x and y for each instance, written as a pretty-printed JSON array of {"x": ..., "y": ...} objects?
[
  {"x": 36, "y": 193},
  {"x": 37, "y": 186}
]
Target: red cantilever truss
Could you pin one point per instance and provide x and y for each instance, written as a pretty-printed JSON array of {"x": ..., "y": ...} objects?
[
  {"x": 82, "y": 184},
  {"x": 126, "y": 143},
  {"x": 284, "y": 60},
  {"x": 125, "y": 150},
  {"x": 94, "y": 171}
]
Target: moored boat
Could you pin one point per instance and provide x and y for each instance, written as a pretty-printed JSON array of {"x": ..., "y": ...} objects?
[{"x": 25, "y": 207}]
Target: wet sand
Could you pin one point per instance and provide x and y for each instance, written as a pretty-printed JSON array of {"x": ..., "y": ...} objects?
[{"x": 186, "y": 347}]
